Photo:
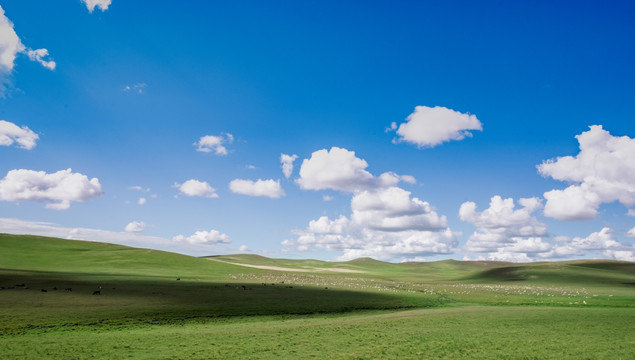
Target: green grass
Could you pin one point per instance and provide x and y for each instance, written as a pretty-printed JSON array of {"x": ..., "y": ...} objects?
[{"x": 361, "y": 309}]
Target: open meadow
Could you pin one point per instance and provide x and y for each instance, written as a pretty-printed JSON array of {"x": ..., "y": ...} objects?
[{"x": 77, "y": 300}]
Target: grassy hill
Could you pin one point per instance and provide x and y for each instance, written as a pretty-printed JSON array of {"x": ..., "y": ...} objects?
[{"x": 155, "y": 304}]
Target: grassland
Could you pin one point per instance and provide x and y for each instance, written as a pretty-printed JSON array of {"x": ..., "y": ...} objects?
[{"x": 246, "y": 306}]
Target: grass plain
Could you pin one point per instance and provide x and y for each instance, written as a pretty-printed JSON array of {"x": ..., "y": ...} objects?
[{"x": 251, "y": 307}]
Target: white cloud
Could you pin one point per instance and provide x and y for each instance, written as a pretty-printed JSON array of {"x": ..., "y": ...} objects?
[
  {"x": 392, "y": 209},
  {"x": 431, "y": 126},
  {"x": 209, "y": 143},
  {"x": 504, "y": 232},
  {"x": 10, "y": 46},
  {"x": 327, "y": 198},
  {"x": 269, "y": 188},
  {"x": 408, "y": 179},
  {"x": 572, "y": 203},
  {"x": 59, "y": 188},
  {"x": 194, "y": 187},
  {"x": 502, "y": 214},
  {"x": 631, "y": 212},
  {"x": 101, "y": 4},
  {"x": 624, "y": 255},
  {"x": 10, "y": 133},
  {"x": 142, "y": 201},
  {"x": 135, "y": 226},
  {"x": 204, "y": 237},
  {"x": 602, "y": 172},
  {"x": 631, "y": 233},
  {"x": 385, "y": 223},
  {"x": 287, "y": 164},
  {"x": 339, "y": 169},
  {"x": 597, "y": 244},
  {"x": 39, "y": 55},
  {"x": 10, "y": 43}
]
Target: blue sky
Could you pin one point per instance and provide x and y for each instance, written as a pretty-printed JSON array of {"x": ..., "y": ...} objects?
[{"x": 422, "y": 130}]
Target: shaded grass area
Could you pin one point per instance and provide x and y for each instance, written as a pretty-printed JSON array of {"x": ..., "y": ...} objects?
[
  {"x": 134, "y": 300},
  {"x": 456, "y": 333}
]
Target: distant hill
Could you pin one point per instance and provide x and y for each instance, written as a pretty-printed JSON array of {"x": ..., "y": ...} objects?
[{"x": 37, "y": 253}]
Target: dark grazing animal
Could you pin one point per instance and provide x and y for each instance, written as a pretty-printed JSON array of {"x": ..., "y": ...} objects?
[{"x": 96, "y": 292}]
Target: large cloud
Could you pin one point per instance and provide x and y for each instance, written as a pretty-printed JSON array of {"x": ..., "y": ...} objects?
[
  {"x": 91, "y": 4},
  {"x": 600, "y": 244},
  {"x": 431, "y": 126},
  {"x": 10, "y": 46},
  {"x": 339, "y": 169},
  {"x": 195, "y": 187},
  {"x": 10, "y": 43},
  {"x": 385, "y": 223},
  {"x": 268, "y": 188},
  {"x": 392, "y": 209},
  {"x": 58, "y": 189},
  {"x": 602, "y": 172},
  {"x": 10, "y": 133},
  {"x": 209, "y": 143},
  {"x": 504, "y": 232}
]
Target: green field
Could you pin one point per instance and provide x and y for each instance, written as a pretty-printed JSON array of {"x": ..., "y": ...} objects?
[{"x": 154, "y": 304}]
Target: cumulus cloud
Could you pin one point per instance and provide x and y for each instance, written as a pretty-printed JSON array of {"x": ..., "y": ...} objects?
[
  {"x": 287, "y": 164},
  {"x": 209, "y": 143},
  {"x": 392, "y": 209},
  {"x": 631, "y": 233},
  {"x": 57, "y": 189},
  {"x": 10, "y": 133},
  {"x": 385, "y": 223},
  {"x": 10, "y": 46},
  {"x": 101, "y": 4},
  {"x": 135, "y": 226},
  {"x": 10, "y": 43},
  {"x": 269, "y": 188},
  {"x": 339, "y": 169},
  {"x": 602, "y": 172},
  {"x": 504, "y": 232},
  {"x": 142, "y": 201},
  {"x": 431, "y": 126},
  {"x": 598, "y": 244},
  {"x": 195, "y": 187},
  {"x": 204, "y": 237}
]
